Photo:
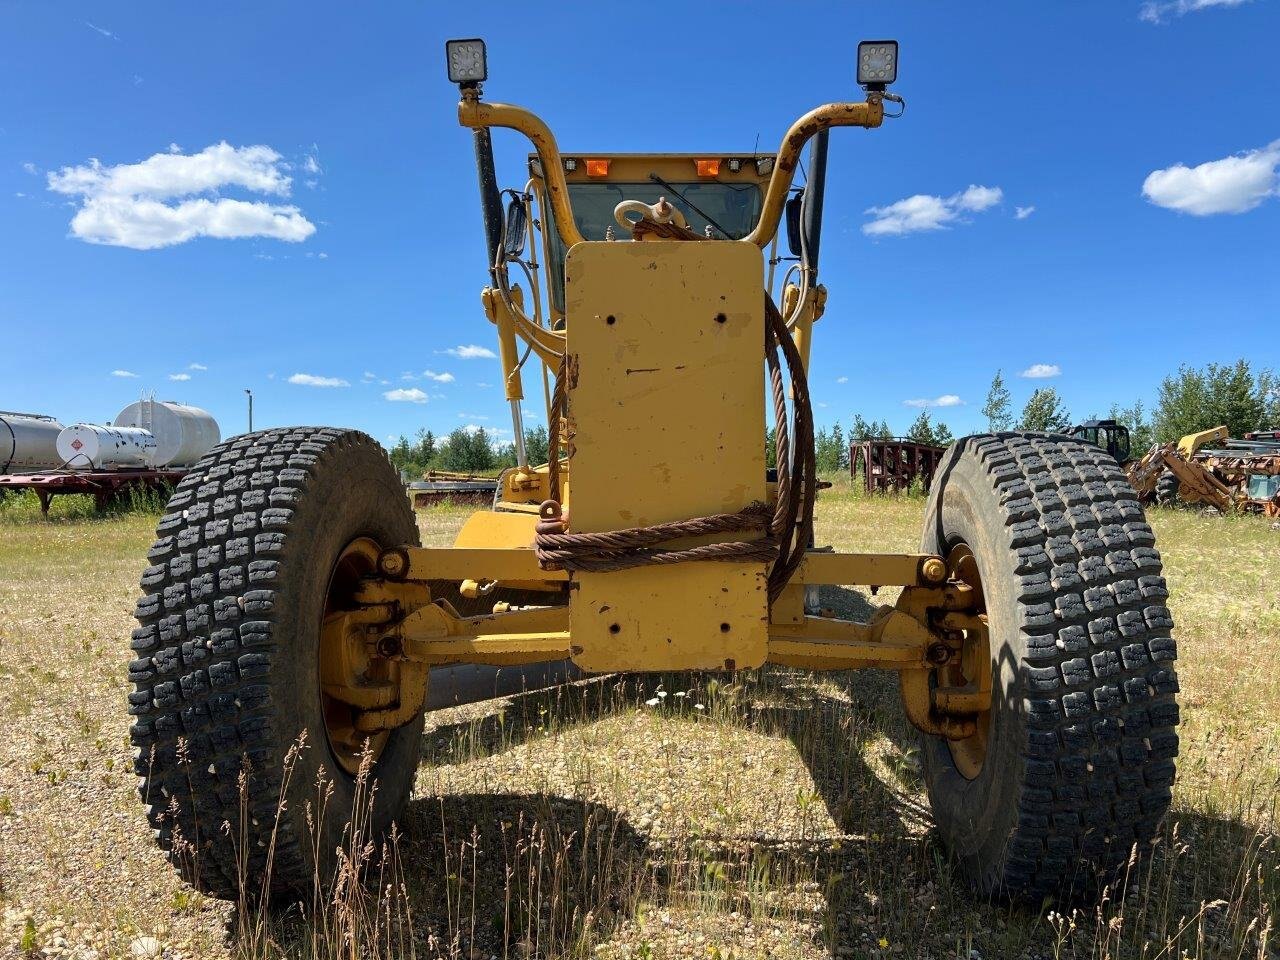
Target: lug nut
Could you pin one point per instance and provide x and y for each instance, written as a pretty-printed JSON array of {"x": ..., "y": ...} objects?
[
  {"x": 933, "y": 570},
  {"x": 393, "y": 563},
  {"x": 937, "y": 654}
]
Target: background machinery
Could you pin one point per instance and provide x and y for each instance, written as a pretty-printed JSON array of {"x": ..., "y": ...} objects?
[
  {"x": 149, "y": 446},
  {"x": 1211, "y": 468},
  {"x": 1111, "y": 435},
  {"x": 289, "y": 617}
]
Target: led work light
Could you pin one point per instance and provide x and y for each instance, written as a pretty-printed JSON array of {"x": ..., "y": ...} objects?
[
  {"x": 466, "y": 61},
  {"x": 877, "y": 63}
]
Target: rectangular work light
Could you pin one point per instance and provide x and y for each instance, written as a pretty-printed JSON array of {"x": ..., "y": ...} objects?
[
  {"x": 877, "y": 63},
  {"x": 466, "y": 61}
]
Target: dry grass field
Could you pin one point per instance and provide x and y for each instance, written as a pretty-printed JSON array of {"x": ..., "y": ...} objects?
[{"x": 771, "y": 814}]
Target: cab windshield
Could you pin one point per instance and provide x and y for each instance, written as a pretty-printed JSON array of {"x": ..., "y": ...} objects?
[{"x": 730, "y": 209}]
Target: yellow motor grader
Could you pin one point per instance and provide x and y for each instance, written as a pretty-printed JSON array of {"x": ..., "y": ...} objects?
[{"x": 288, "y": 592}]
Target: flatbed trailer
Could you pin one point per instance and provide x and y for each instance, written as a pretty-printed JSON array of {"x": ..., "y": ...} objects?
[
  {"x": 103, "y": 485},
  {"x": 439, "y": 487}
]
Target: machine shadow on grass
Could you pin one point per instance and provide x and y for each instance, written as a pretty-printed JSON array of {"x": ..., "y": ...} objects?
[
  {"x": 535, "y": 874},
  {"x": 591, "y": 867}
]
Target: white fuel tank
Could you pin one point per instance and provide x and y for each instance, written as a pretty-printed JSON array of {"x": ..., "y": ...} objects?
[
  {"x": 28, "y": 443},
  {"x": 87, "y": 446},
  {"x": 183, "y": 434}
]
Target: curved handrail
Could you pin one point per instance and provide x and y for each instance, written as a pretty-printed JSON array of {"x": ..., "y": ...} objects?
[
  {"x": 474, "y": 113},
  {"x": 869, "y": 113}
]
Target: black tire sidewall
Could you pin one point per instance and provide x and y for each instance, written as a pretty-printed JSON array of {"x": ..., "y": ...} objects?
[
  {"x": 354, "y": 494},
  {"x": 978, "y": 816}
]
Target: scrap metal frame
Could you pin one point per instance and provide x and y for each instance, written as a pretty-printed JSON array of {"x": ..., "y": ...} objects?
[{"x": 892, "y": 466}]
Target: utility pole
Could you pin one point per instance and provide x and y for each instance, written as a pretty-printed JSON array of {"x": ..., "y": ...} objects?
[{"x": 249, "y": 394}]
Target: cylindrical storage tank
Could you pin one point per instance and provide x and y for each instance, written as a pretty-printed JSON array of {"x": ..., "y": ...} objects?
[
  {"x": 183, "y": 434},
  {"x": 28, "y": 443},
  {"x": 87, "y": 446}
]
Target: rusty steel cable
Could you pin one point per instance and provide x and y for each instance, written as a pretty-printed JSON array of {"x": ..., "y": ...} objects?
[
  {"x": 559, "y": 402},
  {"x": 638, "y": 546},
  {"x": 784, "y": 532},
  {"x": 793, "y": 449}
]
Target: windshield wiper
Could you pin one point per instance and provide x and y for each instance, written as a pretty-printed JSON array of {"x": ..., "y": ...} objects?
[{"x": 693, "y": 206}]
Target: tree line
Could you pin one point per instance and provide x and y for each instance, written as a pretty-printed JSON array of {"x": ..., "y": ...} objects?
[
  {"x": 1190, "y": 400},
  {"x": 464, "y": 451}
]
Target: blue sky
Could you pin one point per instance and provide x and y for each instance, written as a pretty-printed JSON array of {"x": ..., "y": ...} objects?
[{"x": 1134, "y": 147}]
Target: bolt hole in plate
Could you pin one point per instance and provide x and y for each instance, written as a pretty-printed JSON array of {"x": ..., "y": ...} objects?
[
  {"x": 611, "y": 319},
  {"x": 709, "y": 405},
  {"x": 970, "y": 753},
  {"x": 721, "y": 318},
  {"x": 615, "y": 628},
  {"x": 345, "y": 661}
]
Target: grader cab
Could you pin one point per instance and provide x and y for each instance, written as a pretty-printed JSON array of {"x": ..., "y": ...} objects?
[{"x": 288, "y": 594}]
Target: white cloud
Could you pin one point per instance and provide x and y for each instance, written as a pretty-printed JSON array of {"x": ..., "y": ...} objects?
[
  {"x": 102, "y": 30},
  {"x": 311, "y": 164},
  {"x": 123, "y": 373},
  {"x": 438, "y": 377},
  {"x": 197, "y": 366},
  {"x": 310, "y": 380},
  {"x": 368, "y": 377},
  {"x": 1233, "y": 184},
  {"x": 1041, "y": 371},
  {"x": 1021, "y": 213},
  {"x": 946, "y": 400},
  {"x": 411, "y": 395},
  {"x": 31, "y": 168},
  {"x": 179, "y": 376},
  {"x": 472, "y": 416},
  {"x": 158, "y": 202},
  {"x": 1156, "y": 11},
  {"x": 842, "y": 379},
  {"x": 470, "y": 352},
  {"x": 408, "y": 377},
  {"x": 977, "y": 198},
  {"x": 924, "y": 212}
]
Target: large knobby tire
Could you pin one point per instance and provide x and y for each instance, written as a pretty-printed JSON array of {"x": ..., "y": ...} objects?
[
  {"x": 227, "y": 675},
  {"x": 1167, "y": 488},
  {"x": 1079, "y": 755}
]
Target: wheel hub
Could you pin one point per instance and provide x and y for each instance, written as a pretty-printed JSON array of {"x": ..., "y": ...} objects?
[
  {"x": 971, "y": 667},
  {"x": 353, "y": 675}
]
